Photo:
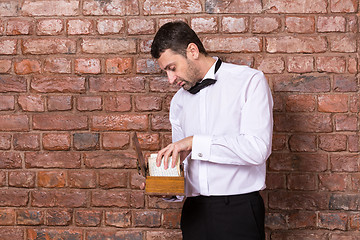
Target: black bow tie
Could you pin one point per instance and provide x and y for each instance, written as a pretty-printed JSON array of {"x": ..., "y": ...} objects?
[{"x": 206, "y": 82}]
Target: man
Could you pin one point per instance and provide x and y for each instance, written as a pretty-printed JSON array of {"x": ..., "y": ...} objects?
[{"x": 221, "y": 122}]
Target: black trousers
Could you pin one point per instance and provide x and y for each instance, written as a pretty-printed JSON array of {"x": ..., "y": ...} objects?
[{"x": 237, "y": 217}]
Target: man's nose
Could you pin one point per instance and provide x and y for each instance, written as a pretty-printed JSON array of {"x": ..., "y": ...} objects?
[{"x": 171, "y": 76}]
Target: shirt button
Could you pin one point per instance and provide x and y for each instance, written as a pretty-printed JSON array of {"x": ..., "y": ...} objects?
[{"x": 200, "y": 154}]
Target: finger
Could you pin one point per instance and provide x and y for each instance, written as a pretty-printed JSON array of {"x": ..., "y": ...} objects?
[
  {"x": 166, "y": 158},
  {"x": 142, "y": 186},
  {"x": 174, "y": 158},
  {"x": 159, "y": 157}
]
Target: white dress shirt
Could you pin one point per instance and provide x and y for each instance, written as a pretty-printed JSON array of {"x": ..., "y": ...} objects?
[{"x": 232, "y": 123}]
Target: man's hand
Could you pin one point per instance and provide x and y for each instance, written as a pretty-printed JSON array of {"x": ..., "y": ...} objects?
[{"x": 173, "y": 150}]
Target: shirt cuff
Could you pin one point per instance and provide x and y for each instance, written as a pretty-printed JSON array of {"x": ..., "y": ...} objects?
[{"x": 201, "y": 147}]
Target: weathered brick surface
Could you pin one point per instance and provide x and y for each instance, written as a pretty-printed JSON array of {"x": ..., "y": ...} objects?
[{"x": 77, "y": 80}]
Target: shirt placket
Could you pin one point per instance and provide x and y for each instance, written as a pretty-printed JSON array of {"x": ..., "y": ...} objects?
[{"x": 203, "y": 178}]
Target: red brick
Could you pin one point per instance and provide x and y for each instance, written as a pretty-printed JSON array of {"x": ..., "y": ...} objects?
[
  {"x": 12, "y": 84},
  {"x": 346, "y": 122},
  {"x": 137, "y": 199},
  {"x": 26, "y": 141},
  {"x": 166, "y": 103},
  {"x": 14, "y": 123},
  {"x": 161, "y": 84},
  {"x": 332, "y": 143},
  {"x": 354, "y": 222},
  {"x": 204, "y": 24},
  {"x": 237, "y": 6},
  {"x": 158, "y": 202},
  {"x": 345, "y": 83},
  {"x": 298, "y": 200},
  {"x": 303, "y": 235},
  {"x": 7, "y": 217},
  {"x": 355, "y": 103},
  {"x": 108, "y": 45},
  {"x": 302, "y": 219},
  {"x": 354, "y": 143},
  {"x": 331, "y": 64},
  {"x": 79, "y": 26},
  {"x": 111, "y": 7},
  {"x": 117, "y": 122},
  {"x": 346, "y": 6},
  {"x": 344, "y": 236},
  {"x": 86, "y": 141},
  {"x": 11, "y": 232},
  {"x": 333, "y": 103},
  {"x": 91, "y": 65},
  {"x": 344, "y": 163},
  {"x": 10, "y": 160},
  {"x": 147, "y": 66},
  {"x": 355, "y": 181},
  {"x": 23, "y": 179},
  {"x": 5, "y": 65},
  {"x": 163, "y": 235},
  {"x": 119, "y": 65},
  {"x": 302, "y": 143},
  {"x": 148, "y": 103},
  {"x": 117, "y": 103},
  {"x": 149, "y": 141},
  {"x": 300, "y": 24},
  {"x": 88, "y": 218},
  {"x": 351, "y": 24},
  {"x": 122, "y": 234},
  {"x": 51, "y": 179},
  {"x": 233, "y": 24},
  {"x": 343, "y": 201},
  {"x": 303, "y": 123},
  {"x": 345, "y": 44},
  {"x": 295, "y": 6},
  {"x": 300, "y": 103},
  {"x": 160, "y": 122},
  {"x": 300, "y": 64},
  {"x": 112, "y": 159},
  {"x": 49, "y": 46},
  {"x": 51, "y": 27},
  {"x": 275, "y": 221},
  {"x": 145, "y": 45},
  {"x": 232, "y": 44},
  {"x": 271, "y": 65},
  {"x": 9, "y": 8},
  {"x": 136, "y": 180},
  {"x": 29, "y": 217},
  {"x": 59, "y": 198},
  {"x": 112, "y": 141},
  {"x": 141, "y": 26},
  {"x": 113, "y": 179},
  {"x": 18, "y": 27},
  {"x": 52, "y": 160},
  {"x": 352, "y": 65},
  {"x": 301, "y": 181},
  {"x": 50, "y": 8},
  {"x": 32, "y": 103},
  {"x": 147, "y": 218},
  {"x": 118, "y": 218},
  {"x": 82, "y": 179},
  {"x": 27, "y": 66},
  {"x": 333, "y": 221},
  {"x": 89, "y": 103},
  {"x": 332, "y": 182},
  {"x": 64, "y": 234},
  {"x": 291, "y": 44},
  {"x": 110, "y": 198},
  {"x": 58, "y": 217},
  {"x": 57, "y": 65},
  {"x": 14, "y": 198},
  {"x": 59, "y": 103},
  {"x": 279, "y": 142},
  {"x": 110, "y": 26},
  {"x": 62, "y": 84},
  {"x": 117, "y": 84},
  {"x": 7, "y": 103},
  {"x": 298, "y": 162},
  {"x": 275, "y": 181},
  {"x": 331, "y": 24},
  {"x": 265, "y": 24},
  {"x": 60, "y": 122},
  {"x": 152, "y": 7},
  {"x": 5, "y": 141},
  {"x": 164, "y": 20},
  {"x": 8, "y": 46}
]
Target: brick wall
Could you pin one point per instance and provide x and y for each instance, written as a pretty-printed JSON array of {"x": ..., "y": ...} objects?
[{"x": 77, "y": 80}]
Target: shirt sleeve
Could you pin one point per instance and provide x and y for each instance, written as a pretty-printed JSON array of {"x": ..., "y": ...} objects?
[{"x": 250, "y": 146}]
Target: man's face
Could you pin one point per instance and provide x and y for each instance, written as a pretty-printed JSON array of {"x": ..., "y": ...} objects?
[{"x": 180, "y": 70}]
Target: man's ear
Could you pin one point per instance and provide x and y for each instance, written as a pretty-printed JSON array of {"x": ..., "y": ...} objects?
[{"x": 192, "y": 51}]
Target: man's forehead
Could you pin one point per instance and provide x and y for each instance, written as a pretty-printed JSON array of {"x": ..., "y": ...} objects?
[{"x": 167, "y": 58}]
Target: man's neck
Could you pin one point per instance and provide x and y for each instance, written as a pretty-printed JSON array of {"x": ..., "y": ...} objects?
[{"x": 205, "y": 64}]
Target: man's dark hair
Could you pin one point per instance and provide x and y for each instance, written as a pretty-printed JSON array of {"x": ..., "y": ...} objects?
[{"x": 175, "y": 36}]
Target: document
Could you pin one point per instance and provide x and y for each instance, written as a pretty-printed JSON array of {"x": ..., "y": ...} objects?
[{"x": 160, "y": 171}]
